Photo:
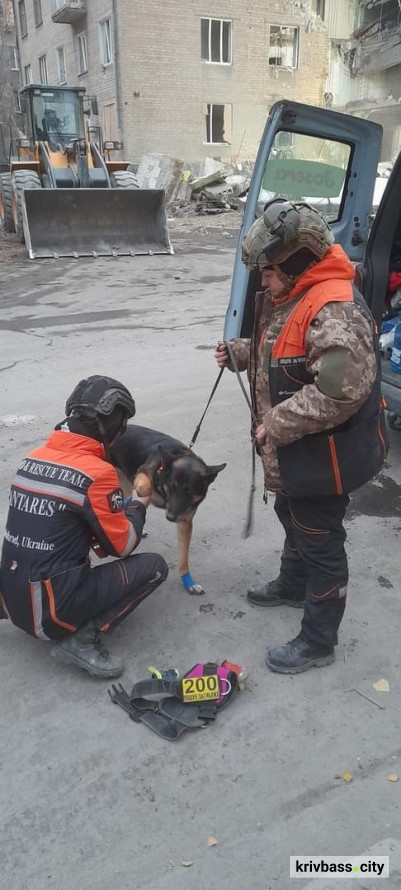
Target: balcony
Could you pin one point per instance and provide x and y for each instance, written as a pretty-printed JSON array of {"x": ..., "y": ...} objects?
[
  {"x": 381, "y": 52},
  {"x": 68, "y": 12}
]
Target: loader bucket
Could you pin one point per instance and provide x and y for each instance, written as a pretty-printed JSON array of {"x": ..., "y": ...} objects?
[{"x": 95, "y": 222}]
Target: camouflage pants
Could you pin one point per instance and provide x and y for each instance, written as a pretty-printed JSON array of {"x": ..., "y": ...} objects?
[{"x": 314, "y": 563}]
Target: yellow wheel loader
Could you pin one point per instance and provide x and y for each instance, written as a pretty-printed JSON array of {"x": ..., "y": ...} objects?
[{"x": 63, "y": 196}]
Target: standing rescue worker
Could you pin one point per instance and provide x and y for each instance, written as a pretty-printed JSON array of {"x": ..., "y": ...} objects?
[
  {"x": 314, "y": 371},
  {"x": 65, "y": 499}
]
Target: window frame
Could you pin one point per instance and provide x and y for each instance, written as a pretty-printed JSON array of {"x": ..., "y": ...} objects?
[
  {"x": 37, "y": 8},
  {"x": 22, "y": 19},
  {"x": 42, "y": 60},
  {"x": 211, "y": 105},
  {"x": 103, "y": 41},
  {"x": 13, "y": 49},
  {"x": 296, "y": 30},
  {"x": 26, "y": 79},
  {"x": 321, "y": 9},
  {"x": 82, "y": 40},
  {"x": 210, "y": 61},
  {"x": 58, "y": 48},
  {"x": 17, "y": 102}
]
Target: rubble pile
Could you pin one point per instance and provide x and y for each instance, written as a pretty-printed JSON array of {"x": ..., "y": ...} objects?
[{"x": 208, "y": 187}]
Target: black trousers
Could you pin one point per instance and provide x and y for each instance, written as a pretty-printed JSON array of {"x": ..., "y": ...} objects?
[
  {"x": 105, "y": 595},
  {"x": 314, "y": 564},
  {"x": 122, "y": 585}
]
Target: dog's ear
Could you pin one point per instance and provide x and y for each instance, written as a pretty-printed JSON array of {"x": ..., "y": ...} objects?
[
  {"x": 212, "y": 472},
  {"x": 166, "y": 457}
]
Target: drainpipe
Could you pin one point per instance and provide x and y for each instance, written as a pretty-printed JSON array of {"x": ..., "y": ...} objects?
[{"x": 117, "y": 67}]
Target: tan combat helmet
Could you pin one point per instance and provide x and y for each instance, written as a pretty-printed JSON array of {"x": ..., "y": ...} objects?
[{"x": 284, "y": 229}]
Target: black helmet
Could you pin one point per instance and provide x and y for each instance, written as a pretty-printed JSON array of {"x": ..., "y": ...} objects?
[{"x": 99, "y": 396}]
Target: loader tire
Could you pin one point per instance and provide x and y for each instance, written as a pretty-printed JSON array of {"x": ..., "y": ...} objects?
[
  {"x": 123, "y": 179},
  {"x": 21, "y": 180},
  {"x": 6, "y": 211}
]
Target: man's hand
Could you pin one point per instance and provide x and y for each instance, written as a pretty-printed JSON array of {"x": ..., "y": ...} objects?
[
  {"x": 260, "y": 434},
  {"x": 142, "y": 500},
  {"x": 222, "y": 355}
]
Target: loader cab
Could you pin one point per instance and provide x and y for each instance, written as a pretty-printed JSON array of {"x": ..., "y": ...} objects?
[{"x": 54, "y": 114}]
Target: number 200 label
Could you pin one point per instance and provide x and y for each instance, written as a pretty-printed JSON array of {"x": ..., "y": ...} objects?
[{"x": 200, "y": 688}]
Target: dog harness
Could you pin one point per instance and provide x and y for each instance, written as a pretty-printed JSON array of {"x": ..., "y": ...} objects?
[{"x": 190, "y": 702}]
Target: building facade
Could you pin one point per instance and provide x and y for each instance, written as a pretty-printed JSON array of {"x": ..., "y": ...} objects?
[{"x": 192, "y": 79}]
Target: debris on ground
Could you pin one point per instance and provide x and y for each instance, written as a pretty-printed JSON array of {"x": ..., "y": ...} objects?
[
  {"x": 347, "y": 776},
  {"x": 211, "y": 188},
  {"x": 382, "y": 686},
  {"x": 159, "y": 171}
]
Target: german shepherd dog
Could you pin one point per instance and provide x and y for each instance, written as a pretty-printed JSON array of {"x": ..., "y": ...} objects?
[{"x": 179, "y": 481}]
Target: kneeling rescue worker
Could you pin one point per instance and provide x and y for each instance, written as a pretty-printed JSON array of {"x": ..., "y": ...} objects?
[
  {"x": 314, "y": 371},
  {"x": 65, "y": 499}
]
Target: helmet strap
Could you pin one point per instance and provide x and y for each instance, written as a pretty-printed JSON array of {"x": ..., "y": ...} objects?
[{"x": 104, "y": 438}]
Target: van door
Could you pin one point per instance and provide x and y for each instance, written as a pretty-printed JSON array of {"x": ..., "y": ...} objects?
[
  {"x": 383, "y": 255},
  {"x": 323, "y": 157}
]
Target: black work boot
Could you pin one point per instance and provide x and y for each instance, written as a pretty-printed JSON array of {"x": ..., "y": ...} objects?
[
  {"x": 86, "y": 650},
  {"x": 271, "y": 593},
  {"x": 298, "y": 656}
]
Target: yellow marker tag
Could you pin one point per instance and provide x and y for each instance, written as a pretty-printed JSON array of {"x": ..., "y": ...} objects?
[{"x": 203, "y": 688}]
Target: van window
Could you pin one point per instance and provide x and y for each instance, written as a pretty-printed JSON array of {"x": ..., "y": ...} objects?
[{"x": 307, "y": 168}]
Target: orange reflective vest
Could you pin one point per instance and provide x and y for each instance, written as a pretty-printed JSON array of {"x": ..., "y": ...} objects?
[{"x": 343, "y": 458}]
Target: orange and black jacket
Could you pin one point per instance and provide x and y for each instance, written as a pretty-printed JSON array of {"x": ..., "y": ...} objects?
[
  {"x": 65, "y": 499},
  {"x": 342, "y": 459}
]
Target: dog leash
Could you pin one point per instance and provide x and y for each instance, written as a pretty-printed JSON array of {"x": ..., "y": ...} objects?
[
  {"x": 249, "y": 520},
  {"x": 249, "y": 517},
  {"x": 196, "y": 433}
]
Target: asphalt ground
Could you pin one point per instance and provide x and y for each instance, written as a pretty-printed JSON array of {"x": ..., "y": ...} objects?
[{"x": 92, "y": 800}]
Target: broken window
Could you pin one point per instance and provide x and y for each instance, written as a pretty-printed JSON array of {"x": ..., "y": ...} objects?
[
  {"x": 17, "y": 102},
  {"x": 216, "y": 41},
  {"x": 106, "y": 45},
  {"x": 82, "y": 53},
  {"x": 14, "y": 58},
  {"x": 218, "y": 120},
  {"x": 283, "y": 49}
]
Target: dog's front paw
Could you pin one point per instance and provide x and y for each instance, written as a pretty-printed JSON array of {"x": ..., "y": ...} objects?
[{"x": 190, "y": 586}]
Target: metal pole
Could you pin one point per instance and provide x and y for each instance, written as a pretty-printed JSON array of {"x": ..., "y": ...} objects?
[{"x": 117, "y": 67}]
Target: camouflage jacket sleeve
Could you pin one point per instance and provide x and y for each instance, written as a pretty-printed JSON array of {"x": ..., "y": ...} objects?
[
  {"x": 241, "y": 350},
  {"x": 340, "y": 356}
]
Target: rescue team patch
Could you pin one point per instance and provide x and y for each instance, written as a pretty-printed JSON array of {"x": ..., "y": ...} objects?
[{"x": 116, "y": 500}]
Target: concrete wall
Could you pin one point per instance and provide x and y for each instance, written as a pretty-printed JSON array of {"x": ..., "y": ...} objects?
[{"x": 165, "y": 84}]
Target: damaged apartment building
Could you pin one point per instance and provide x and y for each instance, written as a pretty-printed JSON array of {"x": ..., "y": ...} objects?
[
  {"x": 366, "y": 76},
  {"x": 191, "y": 79}
]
